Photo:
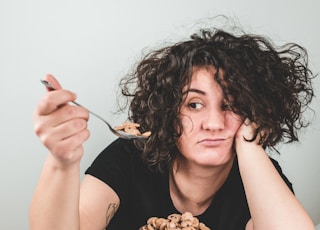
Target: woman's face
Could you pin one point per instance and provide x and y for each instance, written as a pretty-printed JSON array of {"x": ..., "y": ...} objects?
[{"x": 208, "y": 129}]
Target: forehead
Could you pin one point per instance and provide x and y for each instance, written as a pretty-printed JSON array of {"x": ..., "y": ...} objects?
[
  {"x": 203, "y": 81},
  {"x": 201, "y": 75},
  {"x": 200, "y": 71}
]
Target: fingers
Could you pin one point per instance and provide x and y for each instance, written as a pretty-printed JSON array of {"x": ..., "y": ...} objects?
[
  {"x": 65, "y": 141},
  {"x": 251, "y": 132},
  {"x": 62, "y": 123},
  {"x": 243, "y": 138},
  {"x": 61, "y": 114},
  {"x": 247, "y": 130},
  {"x": 65, "y": 119},
  {"x": 61, "y": 127}
]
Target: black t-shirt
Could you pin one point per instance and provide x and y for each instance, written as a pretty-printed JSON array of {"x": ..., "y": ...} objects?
[{"x": 144, "y": 194}]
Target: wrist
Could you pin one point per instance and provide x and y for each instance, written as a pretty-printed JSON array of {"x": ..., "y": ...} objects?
[
  {"x": 242, "y": 146},
  {"x": 58, "y": 165}
]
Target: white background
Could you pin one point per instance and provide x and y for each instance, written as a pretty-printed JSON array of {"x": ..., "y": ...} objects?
[{"x": 90, "y": 44}]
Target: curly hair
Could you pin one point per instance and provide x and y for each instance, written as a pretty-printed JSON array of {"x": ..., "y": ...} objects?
[{"x": 269, "y": 85}]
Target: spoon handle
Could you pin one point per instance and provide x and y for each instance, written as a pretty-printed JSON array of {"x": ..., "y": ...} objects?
[{"x": 50, "y": 87}]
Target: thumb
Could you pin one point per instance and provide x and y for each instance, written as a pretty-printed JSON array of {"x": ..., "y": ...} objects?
[{"x": 52, "y": 81}]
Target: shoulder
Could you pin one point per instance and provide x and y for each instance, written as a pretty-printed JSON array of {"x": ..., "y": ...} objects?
[
  {"x": 118, "y": 156},
  {"x": 119, "y": 150},
  {"x": 115, "y": 164}
]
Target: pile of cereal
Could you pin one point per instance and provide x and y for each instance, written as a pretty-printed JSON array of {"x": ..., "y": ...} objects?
[
  {"x": 185, "y": 221},
  {"x": 132, "y": 128}
]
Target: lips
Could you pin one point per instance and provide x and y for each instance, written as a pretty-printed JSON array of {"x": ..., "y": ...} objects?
[{"x": 212, "y": 142}]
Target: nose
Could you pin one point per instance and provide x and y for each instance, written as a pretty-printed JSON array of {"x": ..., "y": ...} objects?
[{"x": 214, "y": 120}]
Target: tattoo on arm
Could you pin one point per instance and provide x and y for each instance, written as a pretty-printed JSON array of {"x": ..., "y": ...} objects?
[{"x": 112, "y": 208}]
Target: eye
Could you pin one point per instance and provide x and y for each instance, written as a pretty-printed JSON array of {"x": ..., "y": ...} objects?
[{"x": 195, "y": 105}]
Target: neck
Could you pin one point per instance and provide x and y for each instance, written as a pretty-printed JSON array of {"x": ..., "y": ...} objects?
[{"x": 192, "y": 188}]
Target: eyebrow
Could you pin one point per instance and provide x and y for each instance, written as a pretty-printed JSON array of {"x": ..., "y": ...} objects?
[{"x": 195, "y": 91}]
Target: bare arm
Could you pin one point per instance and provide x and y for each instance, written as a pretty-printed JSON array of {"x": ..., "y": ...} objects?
[
  {"x": 271, "y": 202},
  {"x": 58, "y": 202},
  {"x": 55, "y": 203},
  {"x": 98, "y": 204}
]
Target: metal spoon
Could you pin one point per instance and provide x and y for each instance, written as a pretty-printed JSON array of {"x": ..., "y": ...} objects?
[{"x": 118, "y": 133}]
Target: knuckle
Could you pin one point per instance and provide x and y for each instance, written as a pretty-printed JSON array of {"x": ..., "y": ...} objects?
[
  {"x": 70, "y": 110},
  {"x": 79, "y": 124},
  {"x": 75, "y": 112},
  {"x": 85, "y": 135},
  {"x": 46, "y": 140},
  {"x": 37, "y": 129}
]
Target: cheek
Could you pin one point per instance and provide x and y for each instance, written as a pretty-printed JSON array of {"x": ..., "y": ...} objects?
[{"x": 187, "y": 123}]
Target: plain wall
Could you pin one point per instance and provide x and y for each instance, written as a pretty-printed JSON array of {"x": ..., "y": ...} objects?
[{"x": 90, "y": 44}]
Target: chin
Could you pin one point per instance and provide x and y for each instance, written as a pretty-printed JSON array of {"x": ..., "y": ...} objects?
[{"x": 217, "y": 159}]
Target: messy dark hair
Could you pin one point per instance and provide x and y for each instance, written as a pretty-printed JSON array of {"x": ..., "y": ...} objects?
[{"x": 269, "y": 85}]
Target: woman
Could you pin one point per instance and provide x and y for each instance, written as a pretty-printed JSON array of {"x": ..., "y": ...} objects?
[{"x": 213, "y": 103}]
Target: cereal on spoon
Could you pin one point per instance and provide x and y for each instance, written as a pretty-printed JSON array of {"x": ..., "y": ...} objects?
[{"x": 132, "y": 128}]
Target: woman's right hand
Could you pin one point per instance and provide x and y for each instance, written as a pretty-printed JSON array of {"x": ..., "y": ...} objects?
[{"x": 61, "y": 127}]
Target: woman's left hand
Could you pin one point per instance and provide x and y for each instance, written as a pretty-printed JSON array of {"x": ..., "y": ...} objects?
[{"x": 245, "y": 134}]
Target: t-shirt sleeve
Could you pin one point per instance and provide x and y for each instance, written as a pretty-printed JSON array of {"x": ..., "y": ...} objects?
[
  {"x": 285, "y": 179},
  {"x": 112, "y": 166}
]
